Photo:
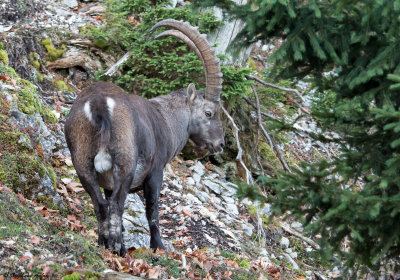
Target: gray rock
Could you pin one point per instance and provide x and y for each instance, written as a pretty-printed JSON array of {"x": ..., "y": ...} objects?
[
  {"x": 197, "y": 178},
  {"x": 198, "y": 168},
  {"x": 266, "y": 210},
  {"x": 232, "y": 209},
  {"x": 225, "y": 34},
  {"x": 212, "y": 186},
  {"x": 297, "y": 226},
  {"x": 113, "y": 275},
  {"x": 246, "y": 201},
  {"x": 192, "y": 198},
  {"x": 203, "y": 196},
  {"x": 227, "y": 199},
  {"x": 134, "y": 219},
  {"x": 190, "y": 181},
  {"x": 285, "y": 243},
  {"x": 46, "y": 187},
  {"x": 216, "y": 199},
  {"x": 291, "y": 261},
  {"x": 247, "y": 230},
  {"x": 228, "y": 189},
  {"x": 70, "y": 3}
]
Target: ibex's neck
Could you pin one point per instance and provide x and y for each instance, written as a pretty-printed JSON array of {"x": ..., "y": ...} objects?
[{"x": 176, "y": 114}]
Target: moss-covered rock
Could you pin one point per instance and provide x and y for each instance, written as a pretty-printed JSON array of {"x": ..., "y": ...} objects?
[
  {"x": 4, "y": 57},
  {"x": 61, "y": 85},
  {"x": 52, "y": 52},
  {"x": 29, "y": 103}
]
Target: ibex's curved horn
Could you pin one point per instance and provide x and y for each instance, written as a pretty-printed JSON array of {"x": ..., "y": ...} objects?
[
  {"x": 203, "y": 50},
  {"x": 185, "y": 39}
]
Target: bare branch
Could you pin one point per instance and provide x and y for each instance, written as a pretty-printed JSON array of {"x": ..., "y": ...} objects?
[
  {"x": 266, "y": 114},
  {"x": 297, "y": 234},
  {"x": 266, "y": 135},
  {"x": 292, "y": 90},
  {"x": 249, "y": 178},
  {"x": 111, "y": 71}
]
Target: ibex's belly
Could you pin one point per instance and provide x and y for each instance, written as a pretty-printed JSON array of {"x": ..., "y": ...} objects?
[{"x": 106, "y": 179}]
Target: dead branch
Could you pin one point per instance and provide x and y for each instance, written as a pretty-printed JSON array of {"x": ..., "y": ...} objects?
[
  {"x": 249, "y": 178},
  {"x": 266, "y": 135},
  {"x": 72, "y": 59},
  {"x": 292, "y": 90},
  {"x": 81, "y": 43},
  {"x": 266, "y": 114},
  {"x": 298, "y": 235},
  {"x": 111, "y": 71}
]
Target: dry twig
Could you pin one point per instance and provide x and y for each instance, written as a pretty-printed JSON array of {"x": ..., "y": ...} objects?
[
  {"x": 291, "y": 90},
  {"x": 111, "y": 71},
  {"x": 266, "y": 135},
  {"x": 265, "y": 114},
  {"x": 249, "y": 178},
  {"x": 298, "y": 235}
]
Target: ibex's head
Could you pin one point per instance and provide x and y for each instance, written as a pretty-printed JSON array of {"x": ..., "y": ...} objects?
[{"x": 205, "y": 128}]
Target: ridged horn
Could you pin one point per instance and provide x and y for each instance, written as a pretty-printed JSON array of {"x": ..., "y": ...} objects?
[{"x": 202, "y": 48}]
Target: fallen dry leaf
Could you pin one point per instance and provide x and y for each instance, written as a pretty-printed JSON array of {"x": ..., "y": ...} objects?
[
  {"x": 75, "y": 187},
  {"x": 35, "y": 240},
  {"x": 24, "y": 258},
  {"x": 45, "y": 271},
  {"x": 152, "y": 273}
]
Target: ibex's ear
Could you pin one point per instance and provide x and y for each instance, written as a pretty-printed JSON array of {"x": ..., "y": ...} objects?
[{"x": 191, "y": 93}]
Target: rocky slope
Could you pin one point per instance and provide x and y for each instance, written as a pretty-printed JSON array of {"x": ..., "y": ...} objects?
[{"x": 47, "y": 224}]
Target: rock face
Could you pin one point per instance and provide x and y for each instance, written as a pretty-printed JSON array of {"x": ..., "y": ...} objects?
[{"x": 225, "y": 35}]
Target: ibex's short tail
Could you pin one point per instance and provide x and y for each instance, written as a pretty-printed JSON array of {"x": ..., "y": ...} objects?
[{"x": 99, "y": 111}]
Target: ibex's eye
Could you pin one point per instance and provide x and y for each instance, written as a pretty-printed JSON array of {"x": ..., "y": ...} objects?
[{"x": 208, "y": 114}]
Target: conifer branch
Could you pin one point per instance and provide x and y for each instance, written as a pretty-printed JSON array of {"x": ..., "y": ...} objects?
[
  {"x": 266, "y": 135},
  {"x": 249, "y": 178}
]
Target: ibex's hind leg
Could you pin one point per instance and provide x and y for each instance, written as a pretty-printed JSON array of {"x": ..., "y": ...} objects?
[
  {"x": 122, "y": 181},
  {"x": 151, "y": 188},
  {"x": 100, "y": 205}
]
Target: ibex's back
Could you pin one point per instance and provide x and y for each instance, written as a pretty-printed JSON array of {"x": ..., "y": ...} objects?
[{"x": 122, "y": 142}]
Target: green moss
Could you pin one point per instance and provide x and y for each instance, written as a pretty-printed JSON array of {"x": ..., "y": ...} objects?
[
  {"x": 268, "y": 154},
  {"x": 39, "y": 77},
  {"x": 29, "y": 102},
  {"x": 7, "y": 70},
  {"x": 52, "y": 52},
  {"x": 61, "y": 85},
  {"x": 15, "y": 140},
  {"x": 2, "y": 45},
  {"x": 4, "y": 57},
  {"x": 73, "y": 276},
  {"x": 52, "y": 176},
  {"x": 22, "y": 171},
  {"x": 36, "y": 64}
]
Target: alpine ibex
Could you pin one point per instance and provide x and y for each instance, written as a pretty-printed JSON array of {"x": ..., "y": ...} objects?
[{"x": 122, "y": 142}]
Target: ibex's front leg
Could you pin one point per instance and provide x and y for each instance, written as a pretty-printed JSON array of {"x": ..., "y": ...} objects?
[{"x": 151, "y": 188}]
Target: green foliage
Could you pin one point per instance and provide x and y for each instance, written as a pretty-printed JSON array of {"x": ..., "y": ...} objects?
[
  {"x": 355, "y": 197},
  {"x": 158, "y": 67}
]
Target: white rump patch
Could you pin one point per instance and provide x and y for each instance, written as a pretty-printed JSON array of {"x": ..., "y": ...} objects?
[
  {"x": 102, "y": 161},
  {"x": 110, "y": 105},
  {"x": 88, "y": 113}
]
